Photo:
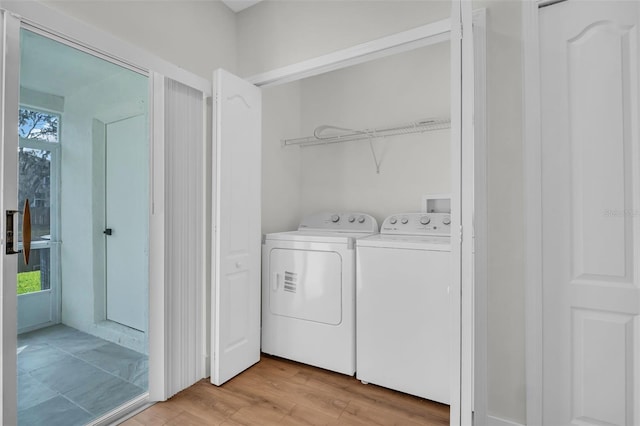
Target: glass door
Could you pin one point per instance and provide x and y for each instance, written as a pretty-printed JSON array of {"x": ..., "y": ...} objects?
[{"x": 82, "y": 306}]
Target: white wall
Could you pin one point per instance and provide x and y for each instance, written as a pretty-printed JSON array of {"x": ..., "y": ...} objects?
[
  {"x": 277, "y": 33},
  {"x": 196, "y": 35},
  {"x": 281, "y": 168},
  {"x": 342, "y": 177},
  {"x": 394, "y": 90}
]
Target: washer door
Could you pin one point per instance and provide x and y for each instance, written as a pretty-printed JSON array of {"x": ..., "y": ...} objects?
[{"x": 306, "y": 284}]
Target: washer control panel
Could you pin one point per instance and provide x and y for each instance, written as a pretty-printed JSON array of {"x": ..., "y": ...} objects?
[
  {"x": 340, "y": 221},
  {"x": 417, "y": 224}
]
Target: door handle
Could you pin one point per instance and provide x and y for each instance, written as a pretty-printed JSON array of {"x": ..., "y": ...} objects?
[
  {"x": 9, "y": 232},
  {"x": 10, "y": 236},
  {"x": 108, "y": 231},
  {"x": 26, "y": 231}
]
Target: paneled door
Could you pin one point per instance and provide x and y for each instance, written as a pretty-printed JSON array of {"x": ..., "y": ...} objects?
[
  {"x": 590, "y": 213},
  {"x": 235, "y": 343}
]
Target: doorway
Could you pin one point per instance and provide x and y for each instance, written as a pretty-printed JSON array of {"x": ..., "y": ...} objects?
[
  {"x": 83, "y": 293},
  {"x": 462, "y": 289}
]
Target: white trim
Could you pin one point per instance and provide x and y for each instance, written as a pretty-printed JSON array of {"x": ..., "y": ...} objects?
[
  {"x": 479, "y": 218},
  {"x": 206, "y": 229},
  {"x": 100, "y": 43},
  {"x": 532, "y": 215},
  {"x": 456, "y": 296},
  {"x": 497, "y": 421},
  {"x": 424, "y": 35},
  {"x": 157, "y": 275},
  {"x": 467, "y": 207}
]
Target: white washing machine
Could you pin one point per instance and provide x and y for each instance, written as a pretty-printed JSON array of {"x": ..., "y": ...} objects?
[
  {"x": 308, "y": 290},
  {"x": 403, "y": 315}
]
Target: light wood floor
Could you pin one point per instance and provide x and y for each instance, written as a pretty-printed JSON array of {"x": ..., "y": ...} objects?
[{"x": 281, "y": 392}]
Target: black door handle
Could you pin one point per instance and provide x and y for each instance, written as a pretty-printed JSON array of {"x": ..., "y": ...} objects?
[
  {"x": 11, "y": 240},
  {"x": 108, "y": 231}
]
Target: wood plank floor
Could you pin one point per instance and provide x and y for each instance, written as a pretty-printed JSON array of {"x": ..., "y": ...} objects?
[{"x": 280, "y": 392}]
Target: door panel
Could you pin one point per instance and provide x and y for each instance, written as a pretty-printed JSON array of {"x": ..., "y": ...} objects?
[
  {"x": 591, "y": 200},
  {"x": 127, "y": 217},
  {"x": 236, "y": 289}
]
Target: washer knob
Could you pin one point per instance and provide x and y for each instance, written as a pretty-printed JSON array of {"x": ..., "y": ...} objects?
[
  {"x": 404, "y": 220},
  {"x": 425, "y": 220},
  {"x": 446, "y": 220},
  {"x": 351, "y": 219},
  {"x": 361, "y": 219},
  {"x": 393, "y": 221},
  {"x": 335, "y": 218}
]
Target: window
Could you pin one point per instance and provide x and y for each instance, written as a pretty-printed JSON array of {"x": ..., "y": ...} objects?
[{"x": 38, "y": 170}]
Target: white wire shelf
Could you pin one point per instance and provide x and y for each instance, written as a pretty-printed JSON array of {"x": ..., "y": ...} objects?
[{"x": 322, "y": 136}]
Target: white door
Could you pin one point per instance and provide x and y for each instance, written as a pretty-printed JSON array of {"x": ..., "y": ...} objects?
[
  {"x": 126, "y": 230},
  {"x": 237, "y": 227},
  {"x": 590, "y": 213}
]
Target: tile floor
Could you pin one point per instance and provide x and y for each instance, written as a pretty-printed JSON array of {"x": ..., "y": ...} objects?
[{"x": 67, "y": 377}]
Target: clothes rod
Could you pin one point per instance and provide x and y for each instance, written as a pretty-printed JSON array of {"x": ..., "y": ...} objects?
[{"x": 340, "y": 134}]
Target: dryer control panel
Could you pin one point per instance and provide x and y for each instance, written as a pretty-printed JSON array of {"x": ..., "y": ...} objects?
[
  {"x": 340, "y": 222},
  {"x": 418, "y": 224}
]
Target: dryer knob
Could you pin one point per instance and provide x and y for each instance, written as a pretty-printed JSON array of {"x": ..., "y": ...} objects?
[
  {"x": 404, "y": 220},
  {"x": 393, "y": 221},
  {"x": 352, "y": 219},
  {"x": 425, "y": 220},
  {"x": 335, "y": 218},
  {"x": 446, "y": 221},
  {"x": 361, "y": 219}
]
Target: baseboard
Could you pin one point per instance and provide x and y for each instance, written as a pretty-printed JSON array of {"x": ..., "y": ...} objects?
[{"x": 497, "y": 421}]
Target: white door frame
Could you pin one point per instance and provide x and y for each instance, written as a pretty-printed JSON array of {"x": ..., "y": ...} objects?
[
  {"x": 9, "y": 99},
  {"x": 53, "y": 24},
  {"x": 471, "y": 301},
  {"x": 532, "y": 210}
]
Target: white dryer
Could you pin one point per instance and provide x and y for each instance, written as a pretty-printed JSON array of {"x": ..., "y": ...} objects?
[
  {"x": 308, "y": 290},
  {"x": 403, "y": 314}
]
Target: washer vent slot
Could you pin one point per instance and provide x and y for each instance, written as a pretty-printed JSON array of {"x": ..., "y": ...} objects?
[{"x": 290, "y": 282}]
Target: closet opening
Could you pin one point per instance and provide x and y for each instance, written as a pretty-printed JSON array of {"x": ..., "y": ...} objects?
[{"x": 367, "y": 138}]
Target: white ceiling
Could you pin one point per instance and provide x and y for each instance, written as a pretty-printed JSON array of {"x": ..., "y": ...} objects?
[{"x": 238, "y": 5}]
